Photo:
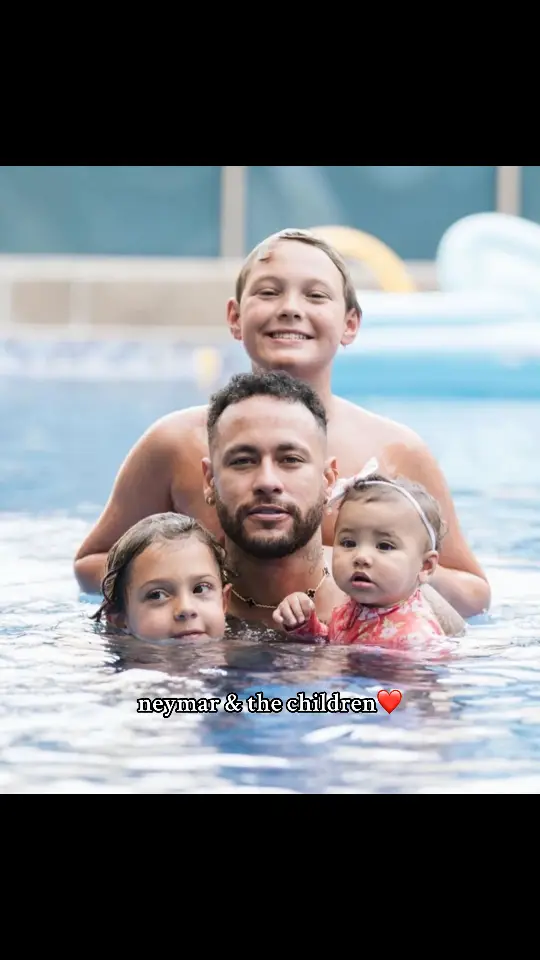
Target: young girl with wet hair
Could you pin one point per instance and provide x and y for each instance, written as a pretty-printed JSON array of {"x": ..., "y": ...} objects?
[{"x": 165, "y": 579}]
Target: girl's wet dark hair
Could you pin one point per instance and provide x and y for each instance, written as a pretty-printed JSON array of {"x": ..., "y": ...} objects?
[
  {"x": 154, "y": 529},
  {"x": 363, "y": 490}
]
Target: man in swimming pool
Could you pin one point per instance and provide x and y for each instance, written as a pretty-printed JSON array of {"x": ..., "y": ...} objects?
[
  {"x": 295, "y": 305},
  {"x": 268, "y": 477}
]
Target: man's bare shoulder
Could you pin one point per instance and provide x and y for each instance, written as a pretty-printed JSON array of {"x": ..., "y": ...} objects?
[{"x": 387, "y": 431}]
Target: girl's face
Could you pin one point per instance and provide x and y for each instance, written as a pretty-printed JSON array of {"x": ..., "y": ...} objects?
[
  {"x": 381, "y": 554},
  {"x": 174, "y": 591}
]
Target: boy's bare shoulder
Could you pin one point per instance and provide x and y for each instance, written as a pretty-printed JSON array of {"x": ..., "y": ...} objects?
[
  {"x": 177, "y": 427},
  {"x": 387, "y": 431}
]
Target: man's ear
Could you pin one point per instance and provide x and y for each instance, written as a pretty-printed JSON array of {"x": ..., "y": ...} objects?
[
  {"x": 208, "y": 477},
  {"x": 233, "y": 319},
  {"x": 330, "y": 473},
  {"x": 429, "y": 566}
]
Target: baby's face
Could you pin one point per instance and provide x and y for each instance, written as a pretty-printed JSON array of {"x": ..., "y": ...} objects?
[
  {"x": 381, "y": 550},
  {"x": 174, "y": 591}
]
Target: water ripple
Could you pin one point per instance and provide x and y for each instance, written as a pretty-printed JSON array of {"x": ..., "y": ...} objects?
[{"x": 68, "y": 693}]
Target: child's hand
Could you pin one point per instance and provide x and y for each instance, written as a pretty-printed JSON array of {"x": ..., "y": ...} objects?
[{"x": 293, "y": 611}]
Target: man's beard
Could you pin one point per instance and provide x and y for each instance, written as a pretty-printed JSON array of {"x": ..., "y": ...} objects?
[{"x": 260, "y": 545}]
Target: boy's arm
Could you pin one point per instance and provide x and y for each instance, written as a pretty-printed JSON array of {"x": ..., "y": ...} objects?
[
  {"x": 142, "y": 488},
  {"x": 459, "y": 578}
]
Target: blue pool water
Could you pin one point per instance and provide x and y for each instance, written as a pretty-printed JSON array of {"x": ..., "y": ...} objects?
[{"x": 68, "y": 720}]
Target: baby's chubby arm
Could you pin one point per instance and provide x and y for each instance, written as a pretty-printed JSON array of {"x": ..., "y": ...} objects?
[{"x": 296, "y": 615}]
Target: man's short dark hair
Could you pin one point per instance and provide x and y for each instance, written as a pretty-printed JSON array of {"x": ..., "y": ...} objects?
[{"x": 280, "y": 385}]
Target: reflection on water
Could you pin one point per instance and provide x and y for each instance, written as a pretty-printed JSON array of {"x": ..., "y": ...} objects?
[
  {"x": 68, "y": 699},
  {"x": 68, "y": 692}
]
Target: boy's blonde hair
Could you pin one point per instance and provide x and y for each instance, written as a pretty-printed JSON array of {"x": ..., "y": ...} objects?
[{"x": 262, "y": 250}]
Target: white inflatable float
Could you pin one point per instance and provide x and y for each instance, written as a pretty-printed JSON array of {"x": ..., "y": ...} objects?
[
  {"x": 488, "y": 271},
  {"x": 440, "y": 308},
  {"x": 477, "y": 336},
  {"x": 491, "y": 253}
]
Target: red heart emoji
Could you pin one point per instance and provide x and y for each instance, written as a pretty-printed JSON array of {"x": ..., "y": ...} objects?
[{"x": 389, "y": 701}]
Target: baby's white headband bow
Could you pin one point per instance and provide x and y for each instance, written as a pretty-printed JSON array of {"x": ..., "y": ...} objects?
[{"x": 343, "y": 486}]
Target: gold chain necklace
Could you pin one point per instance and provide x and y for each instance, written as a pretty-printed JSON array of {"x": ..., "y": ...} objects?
[{"x": 271, "y": 606}]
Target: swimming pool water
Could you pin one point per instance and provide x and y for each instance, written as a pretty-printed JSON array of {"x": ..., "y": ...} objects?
[{"x": 68, "y": 713}]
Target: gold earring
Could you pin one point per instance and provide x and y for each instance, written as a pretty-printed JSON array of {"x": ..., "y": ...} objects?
[{"x": 210, "y": 500}]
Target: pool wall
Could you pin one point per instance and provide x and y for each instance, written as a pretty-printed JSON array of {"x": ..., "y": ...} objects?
[{"x": 416, "y": 355}]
